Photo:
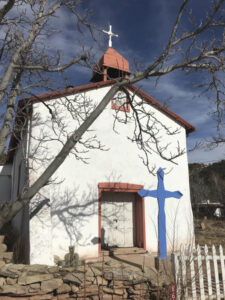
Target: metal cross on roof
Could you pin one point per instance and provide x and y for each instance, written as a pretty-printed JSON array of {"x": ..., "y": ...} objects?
[
  {"x": 110, "y": 34},
  {"x": 161, "y": 194}
]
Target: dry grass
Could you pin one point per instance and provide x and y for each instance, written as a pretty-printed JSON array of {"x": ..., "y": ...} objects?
[{"x": 213, "y": 234}]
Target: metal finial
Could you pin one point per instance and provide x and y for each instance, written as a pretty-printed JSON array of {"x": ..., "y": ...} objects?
[{"x": 110, "y": 34}]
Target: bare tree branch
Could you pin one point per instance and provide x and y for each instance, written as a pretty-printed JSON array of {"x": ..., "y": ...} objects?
[
  {"x": 5, "y": 9},
  {"x": 27, "y": 61}
]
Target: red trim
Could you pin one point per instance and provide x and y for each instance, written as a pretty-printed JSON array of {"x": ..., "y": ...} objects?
[
  {"x": 133, "y": 88},
  {"x": 105, "y": 74},
  {"x": 121, "y": 187},
  {"x": 162, "y": 108},
  {"x": 99, "y": 219},
  {"x": 143, "y": 223},
  {"x": 71, "y": 91}
]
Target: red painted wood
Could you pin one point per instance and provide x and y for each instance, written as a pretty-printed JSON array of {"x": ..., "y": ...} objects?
[
  {"x": 173, "y": 292},
  {"x": 99, "y": 220},
  {"x": 143, "y": 223},
  {"x": 113, "y": 59},
  {"x": 105, "y": 74}
]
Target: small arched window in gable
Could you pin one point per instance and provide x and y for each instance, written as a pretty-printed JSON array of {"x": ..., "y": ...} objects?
[{"x": 120, "y": 102}]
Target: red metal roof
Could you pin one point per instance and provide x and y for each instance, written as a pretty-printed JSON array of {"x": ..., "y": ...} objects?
[
  {"x": 96, "y": 85},
  {"x": 113, "y": 59}
]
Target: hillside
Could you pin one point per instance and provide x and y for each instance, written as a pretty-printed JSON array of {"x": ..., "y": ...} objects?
[{"x": 207, "y": 182}]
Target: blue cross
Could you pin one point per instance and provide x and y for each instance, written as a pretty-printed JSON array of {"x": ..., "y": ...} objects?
[{"x": 161, "y": 194}]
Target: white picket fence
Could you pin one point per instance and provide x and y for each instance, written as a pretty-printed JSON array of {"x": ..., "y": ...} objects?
[{"x": 200, "y": 273}]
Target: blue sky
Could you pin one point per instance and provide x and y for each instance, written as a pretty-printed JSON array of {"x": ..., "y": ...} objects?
[{"x": 143, "y": 27}]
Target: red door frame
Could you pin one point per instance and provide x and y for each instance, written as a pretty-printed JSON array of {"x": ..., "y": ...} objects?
[{"x": 127, "y": 188}]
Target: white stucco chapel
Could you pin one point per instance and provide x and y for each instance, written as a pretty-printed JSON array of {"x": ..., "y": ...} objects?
[{"x": 92, "y": 201}]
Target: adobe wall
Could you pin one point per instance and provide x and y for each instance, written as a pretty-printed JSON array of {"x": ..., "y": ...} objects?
[{"x": 73, "y": 215}]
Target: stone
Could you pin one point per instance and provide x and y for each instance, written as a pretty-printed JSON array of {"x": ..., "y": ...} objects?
[
  {"x": 113, "y": 291},
  {"x": 165, "y": 280},
  {"x": 118, "y": 274},
  {"x": 65, "y": 271},
  {"x": 6, "y": 273},
  {"x": 151, "y": 274},
  {"x": 13, "y": 289},
  {"x": 53, "y": 269},
  {"x": 6, "y": 255},
  {"x": 97, "y": 265},
  {"x": 81, "y": 269},
  {"x": 2, "y": 263},
  {"x": 118, "y": 283},
  {"x": 64, "y": 296},
  {"x": 16, "y": 268},
  {"x": 36, "y": 269},
  {"x": 88, "y": 291},
  {"x": 24, "y": 280},
  {"x": 88, "y": 272},
  {"x": 40, "y": 297},
  {"x": 89, "y": 280},
  {"x": 70, "y": 277},
  {"x": 112, "y": 263},
  {"x": 69, "y": 269},
  {"x": 51, "y": 285},
  {"x": 74, "y": 288},
  {"x": 2, "y": 281},
  {"x": 129, "y": 283},
  {"x": 203, "y": 227},
  {"x": 63, "y": 289},
  {"x": 118, "y": 292},
  {"x": 109, "y": 297},
  {"x": 3, "y": 248},
  {"x": 141, "y": 286},
  {"x": 96, "y": 297},
  {"x": 11, "y": 280},
  {"x": 13, "y": 298},
  {"x": 107, "y": 290},
  {"x": 35, "y": 286},
  {"x": 96, "y": 271},
  {"x": 2, "y": 237},
  {"x": 132, "y": 291},
  {"x": 80, "y": 276},
  {"x": 101, "y": 281}
]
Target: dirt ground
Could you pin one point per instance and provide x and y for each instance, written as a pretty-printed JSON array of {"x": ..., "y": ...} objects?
[{"x": 210, "y": 232}]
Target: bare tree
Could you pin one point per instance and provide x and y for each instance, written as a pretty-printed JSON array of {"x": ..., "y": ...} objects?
[{"x": 193, "y": 53}]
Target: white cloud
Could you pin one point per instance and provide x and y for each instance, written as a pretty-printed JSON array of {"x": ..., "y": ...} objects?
[{"x": 207, "y": 157}]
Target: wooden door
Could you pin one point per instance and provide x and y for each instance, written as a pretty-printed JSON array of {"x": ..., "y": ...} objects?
[{"x": 118, "y": 215}]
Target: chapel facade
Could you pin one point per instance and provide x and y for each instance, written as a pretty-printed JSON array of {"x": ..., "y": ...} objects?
[{"x": 92, "y": 201}]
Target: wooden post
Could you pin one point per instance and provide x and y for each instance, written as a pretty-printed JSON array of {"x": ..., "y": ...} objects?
[
  {"x": 200, "y": 274},
  {"x": 222, "y": 268},
  {"x": 192, "y": 270},
  {"x": 208, "y": 271},
  {"x": 216, "y": 272}
]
